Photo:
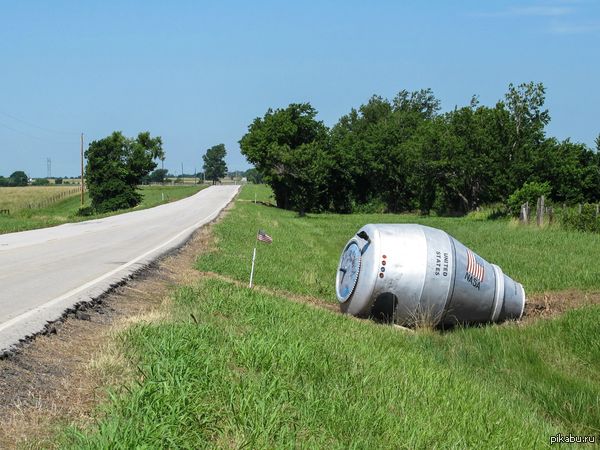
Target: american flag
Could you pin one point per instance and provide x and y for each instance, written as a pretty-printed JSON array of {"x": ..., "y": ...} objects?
[
  {"x": 262, "y": 236},
  {"x": 473, "y": 267}
]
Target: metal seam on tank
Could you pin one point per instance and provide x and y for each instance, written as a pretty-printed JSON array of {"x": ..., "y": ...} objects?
[
  {"x": 452, "y": 278},
  {"x": 523, "y": 303},
  {"x": 376, "y": 245},
  {"x": 498, "y": 302},
  {"x": 420, "y": 296}
]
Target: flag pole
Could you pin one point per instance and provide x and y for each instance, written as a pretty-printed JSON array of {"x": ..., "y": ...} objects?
[{"x": 252, "y": 271}]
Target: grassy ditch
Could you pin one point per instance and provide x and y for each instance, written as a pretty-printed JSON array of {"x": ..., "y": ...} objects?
[
  {"x": 64, "y": 211},
  {"x": 233, "y": 367}
]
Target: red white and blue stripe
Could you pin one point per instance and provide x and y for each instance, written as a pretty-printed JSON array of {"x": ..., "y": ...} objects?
[
  {"x": 264, "y": 237},
  {"x": 475, "y": 269}
]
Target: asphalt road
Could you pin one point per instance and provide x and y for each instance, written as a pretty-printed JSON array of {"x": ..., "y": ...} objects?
[{"x": 44, "y": 272}]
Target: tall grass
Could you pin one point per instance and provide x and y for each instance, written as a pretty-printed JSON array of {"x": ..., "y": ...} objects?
[
  {"x": 16, "y": 199},
  {"x": 66, "y": 210}
]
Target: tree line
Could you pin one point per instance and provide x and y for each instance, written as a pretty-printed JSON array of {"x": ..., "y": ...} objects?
[
  {"x": 403, "y": 154},
  {"x": 17, "y": 178}
]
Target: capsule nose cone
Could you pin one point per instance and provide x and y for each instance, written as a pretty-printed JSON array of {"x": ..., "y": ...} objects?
[{"x": 514, "y": 300}]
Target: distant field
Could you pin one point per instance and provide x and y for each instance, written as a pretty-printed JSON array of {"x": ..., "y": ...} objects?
[
  {"x": 33, "y": 197},
  {"x": 232, "y": 367},
  {"x": 192, "y": 180},
  {"x": 65, "y": 210}
]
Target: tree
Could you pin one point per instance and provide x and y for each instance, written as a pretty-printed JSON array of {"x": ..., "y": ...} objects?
[
  {"x": 285, "y": 145},
  {"x": 18, "y": 178},
  {"x": 116, "y": 165},
  {"x": 158, "y": 176},
  {"x": 376, "y": 151},
  {"x": 40, "y": 182},
  {"x": 525, "y": 128},
  {"x": 253, "y": 176},
  {"x": 402, "y": 154},
  {"x": 214, "y": 163}
]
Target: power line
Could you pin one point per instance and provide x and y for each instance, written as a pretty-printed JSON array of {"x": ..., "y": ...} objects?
[
  {"x": 49, "y": 130},
  {"x": 33, "y": 136}
]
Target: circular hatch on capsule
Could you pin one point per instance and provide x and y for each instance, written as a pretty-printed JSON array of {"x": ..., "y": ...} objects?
[{"x": 348, "y": 271}]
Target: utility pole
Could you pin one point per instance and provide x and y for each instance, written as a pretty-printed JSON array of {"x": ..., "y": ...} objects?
[
  {"x": 48, "y": 168},
  {"x": 81, "y": 169},
  {"x": 162, "y": 166},
  {"x": 182, "y": 179}
]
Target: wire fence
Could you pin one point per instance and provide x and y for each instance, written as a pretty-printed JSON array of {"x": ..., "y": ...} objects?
[
  {"x": 44, "y": 202},
  {"x": 581, "y": 216}
]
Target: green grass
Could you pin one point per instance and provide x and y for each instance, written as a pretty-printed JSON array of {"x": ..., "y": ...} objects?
[
  {"x": 258, "y": 371},
  {"x": 65, "y": 211},
  {"x": 16, "y": 199},
  {"x": 233, "y": 367},
  {"x": 304, "y": 255}
]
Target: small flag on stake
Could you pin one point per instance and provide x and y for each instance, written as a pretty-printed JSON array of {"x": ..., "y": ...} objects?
[{"x": 264, "y": 237}]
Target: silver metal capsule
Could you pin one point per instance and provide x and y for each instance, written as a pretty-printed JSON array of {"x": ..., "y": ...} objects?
[{"x": 412, "y": 274}]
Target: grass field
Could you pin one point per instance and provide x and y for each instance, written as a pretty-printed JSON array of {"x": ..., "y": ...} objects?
[
  {"x": 16, "y": 199},
  {"x": 305, "y": 254},
  {"x": 232, "y": 367},
  {"x": 65, "y": 210}
]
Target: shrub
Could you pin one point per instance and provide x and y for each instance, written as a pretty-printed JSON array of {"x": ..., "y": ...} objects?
[
  {"x": 116, "y": 165},
  {"x": 374, "y": 206},
  {"x": 85, "y": 211},
  {"x": 529, "y": 192},
  {"x": 586, "y": 221},
  {"x": 40, "y": 182}
]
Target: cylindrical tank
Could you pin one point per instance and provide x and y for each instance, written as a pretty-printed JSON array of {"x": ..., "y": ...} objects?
[{"x": 412, "y": 274}]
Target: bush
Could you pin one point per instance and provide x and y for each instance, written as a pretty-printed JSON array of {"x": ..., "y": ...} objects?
[
  {"x": 40, "y": 182},
  {"x": 529, "y": 192},
  {"x": 116, "y": 165},
  {"x": 571, "y": 219},
  {"x": 374, "y": 206},
  {"x": 85, "y": 211},
  {"x": 58, "y": 181}
]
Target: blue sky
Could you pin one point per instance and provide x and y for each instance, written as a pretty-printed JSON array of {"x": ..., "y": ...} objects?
[{"x": 197, "y": 73}]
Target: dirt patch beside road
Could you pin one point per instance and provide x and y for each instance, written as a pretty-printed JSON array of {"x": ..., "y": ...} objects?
[{"x": 59, "y": 377}]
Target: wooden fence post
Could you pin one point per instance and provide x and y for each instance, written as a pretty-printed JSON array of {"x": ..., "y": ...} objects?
[
  {"x": 524, "y": 216},
  {"x": 539, "y": 213}
]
